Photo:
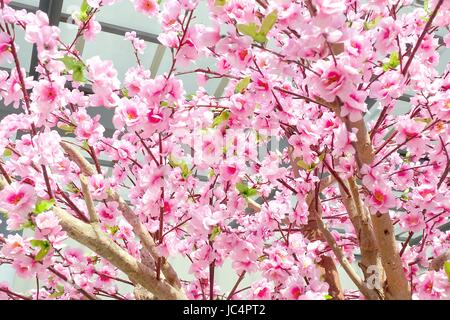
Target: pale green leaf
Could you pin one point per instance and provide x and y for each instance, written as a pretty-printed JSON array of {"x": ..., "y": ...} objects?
[
  {"x": 242, "y": 85},
  {"x": 223, "y": 116},
  {"x": 220, "y": 3},
  {"x": 7, "y": 153},
  {"x": 44, "y": 205},
  {"x": 447, "y": 269},
  {"x": 45, "y": 248},
  {"x": 393, "y": 62},
  {"x": 214, "y": 233},
  {"x": 268, "y": 22},
  {"x": 250, "y": 29}
]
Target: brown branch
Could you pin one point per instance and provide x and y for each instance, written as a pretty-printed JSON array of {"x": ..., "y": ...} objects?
[
  {"x": 311, "y": 232},
  {"x": 438, "y": 262},
  {"x": 88, "y": 199},
  {"x": 92, "y": 237},
  {"x": 363, "y": 228},
  {"x": 368, "y": 293},
  {"x": 140, "y": 230}
]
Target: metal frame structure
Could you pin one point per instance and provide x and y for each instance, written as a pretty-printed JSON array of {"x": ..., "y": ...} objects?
[{"x": 53, "y": 8}]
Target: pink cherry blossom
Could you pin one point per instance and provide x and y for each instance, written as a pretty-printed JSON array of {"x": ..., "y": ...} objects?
[
  {"x": 381, "y": 200},
  {"x": 18, "y": 198},
  {"x": 148, "y": 7},
  {"x": 4, "y": 46}
]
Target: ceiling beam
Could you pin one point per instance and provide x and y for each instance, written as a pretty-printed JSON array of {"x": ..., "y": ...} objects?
[{"x": 157, "y": 58}]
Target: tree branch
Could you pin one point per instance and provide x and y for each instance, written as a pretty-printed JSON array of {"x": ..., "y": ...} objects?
[
  {"x": 92, "y": 237},
  {"x": 140, "y": 230}
]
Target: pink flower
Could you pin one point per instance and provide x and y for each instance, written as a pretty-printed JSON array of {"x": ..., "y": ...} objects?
[
  {"x": 389, "y": 86},
  {"x": 74, "y": 255},
  {"x": 169, "y": 39},
  {"x": 104, "y": 82},
  {"x": 88, "y": 128},
  {"x": 5, "y": 42},
  {"x": 108, "y": 212},
  {"x": 354, "y": 106},
  {"x": 381, "y": 199},
  {"x": 15, "y": 245},
  {"x": 152, "y": 176},
  {"x": 412, "y": 221},
  {"x": 261, "y": 290},
  {"x": 98, "y": 186},
  {"x": 92, "y": 29},
  {"x": 130, "y": 112},
  {"x": 432, "y": 285},
  {"x": 241, "y": 106},
  {"x": 24, "y": 267},
  {"x": 329, "y": 7},
  {"x": 48, "y": 149},
  {"x": 229, "y": 170},
  {"x": 148, "y": 7},
  {"x": 333, "y": 80},
  {"x": 294, "y": 290},
  {"x": 387, "y": 31},
  {"x": 47, "y": 222},
  {"x": 138, "y": 44},
  {"x": 408, "y": 128},
  {"x": 18, "y": 198}
]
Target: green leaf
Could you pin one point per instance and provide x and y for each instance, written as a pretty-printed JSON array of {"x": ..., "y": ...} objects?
[
  {"x": 328, "y": 297},
  {"x": 404, "y": 195},
  {"x": 70, "y": 62},
  {"x": 447, "y": 269},
  {"x": 185, "y": 172},
  {"x": 77, "y": 67},
  {"x": 45, "y": 248},
  {"x": 85, "y": 145},
  {"x": 67, "y": 128},
  {"x": 242, "y": 85},
  {"x": 78, "y": 76},
  {"x": 371, "y": 24},
  {"x": 43, "y": 205},
  {"x": 245, "y": 191},
  {"x": 250, "y": 29},
  {"x": 113, "y": 229},
  {"x": 262, "y": 258},
  {"x": 27, "y": 225},
  {"x": 260, "y": 38},
  {"x": 58, "y": 292},
  {"x": 71, "y": 187},
  {"x": 84, "y": 6},
  {"x": 4, "y": 214},
  {"x": 223, "y": 116},
  {"x": 426, "y": 6},
  {"x": 268, "y": 22},
  {"x": 7, "y": 153},
  {"x": 393, "y": 62},
  {"x": 214, "y": 233},
  {"x": 302, "y": 164},
  {"x": 84, "y": 9}
]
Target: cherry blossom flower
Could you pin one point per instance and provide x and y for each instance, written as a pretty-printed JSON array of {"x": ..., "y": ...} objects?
[
  {"x": 148, "y": 7},
  {"x": 17, "y": 198}
]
